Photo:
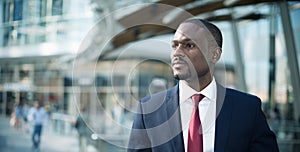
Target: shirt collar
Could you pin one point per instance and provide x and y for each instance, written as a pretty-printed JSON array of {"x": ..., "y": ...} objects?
[{"x": 185, "y": 91}]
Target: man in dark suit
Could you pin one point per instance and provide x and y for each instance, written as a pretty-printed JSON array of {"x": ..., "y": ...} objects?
[{"x": 230, "y": 120}]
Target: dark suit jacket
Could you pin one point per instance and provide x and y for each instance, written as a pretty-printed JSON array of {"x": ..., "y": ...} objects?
[{"x": 241, "y": 125}]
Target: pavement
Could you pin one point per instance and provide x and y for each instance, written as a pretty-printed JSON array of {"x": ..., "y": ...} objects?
[{"x": 12, "y": 140}]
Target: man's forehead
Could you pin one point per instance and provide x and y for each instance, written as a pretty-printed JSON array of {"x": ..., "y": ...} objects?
[
  {"x": 181, "y": 37},
  {"x": 189, "y": 30}
]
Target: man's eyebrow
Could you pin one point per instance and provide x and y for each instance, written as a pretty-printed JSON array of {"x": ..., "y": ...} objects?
[{"x": 183, "y": 40}]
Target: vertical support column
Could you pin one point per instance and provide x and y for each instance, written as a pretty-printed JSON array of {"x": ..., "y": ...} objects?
[
  {"x": 47, "y": 85},
  {"x": 16, "y": 78},
  {"x": 4, "y": 104},
  {"x": 16, "y": 74},
  {"x": 272, "y": 58},
  {"x": 49, "y": 8},
  {"x": 292, "y": 56},
  {"x": 239, "y": 58},
  {"x": 93, "y": 105},
  {"x": 2, "y": 27},
  {"x": 31, "y": 81}
]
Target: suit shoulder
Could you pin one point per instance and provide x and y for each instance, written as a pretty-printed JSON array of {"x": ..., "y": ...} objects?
[
  {"x": 159, "y": 95},
  {"x": 241, "y": 94},
  {"x": 242, "y": 97}
]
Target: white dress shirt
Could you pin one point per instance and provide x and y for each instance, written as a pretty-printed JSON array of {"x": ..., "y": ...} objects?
[{"x": 207, "y": 112}]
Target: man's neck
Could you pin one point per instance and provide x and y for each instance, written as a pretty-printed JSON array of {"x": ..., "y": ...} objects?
[{"x": 198, "y": 84}]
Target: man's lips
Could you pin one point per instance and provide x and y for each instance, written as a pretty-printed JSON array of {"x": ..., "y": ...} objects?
[{"x": 178, "y": 63}]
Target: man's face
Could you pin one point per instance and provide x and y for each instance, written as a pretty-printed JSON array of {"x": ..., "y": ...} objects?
[{"x": 190, "y": 55}]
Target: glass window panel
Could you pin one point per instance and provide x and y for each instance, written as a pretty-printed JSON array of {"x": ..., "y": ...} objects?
[
  {"x": 228, "y": 55},
  {"x": 43, "y": 8},
  {"x": 254, "y": 39},
  {"x": 57, "y": 7},
  {"x": 18, "y": 8}
]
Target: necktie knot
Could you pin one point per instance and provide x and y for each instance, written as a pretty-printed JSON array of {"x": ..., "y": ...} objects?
[{"x": 197, "y": 98}]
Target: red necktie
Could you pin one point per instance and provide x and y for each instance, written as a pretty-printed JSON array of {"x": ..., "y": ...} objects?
[{"x": 195, "y": 137}]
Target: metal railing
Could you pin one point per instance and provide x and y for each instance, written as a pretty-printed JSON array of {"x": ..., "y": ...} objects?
[{"x": 288, "y": 135}]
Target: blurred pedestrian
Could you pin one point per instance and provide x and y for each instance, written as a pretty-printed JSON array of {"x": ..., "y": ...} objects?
[
  {"x": 82, "y": 129},
  {"x": 26, "y": 108},
  {"x": 117, "y": 112},
  {"x": 275, "y": 119},
  {"x": 39, "y": 118},
  {"x": 17, "y": 116}
]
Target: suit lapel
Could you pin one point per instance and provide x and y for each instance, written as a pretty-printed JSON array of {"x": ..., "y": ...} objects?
[
  {"x": 223, "y": 113},
  {"x": 172, "y": 101},
  {"x": 173, "y": 113}
]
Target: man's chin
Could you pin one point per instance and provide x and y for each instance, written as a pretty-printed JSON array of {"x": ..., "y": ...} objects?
[
  {"x": 180, "y": 76},
  {"x": 176, "y": 77}
]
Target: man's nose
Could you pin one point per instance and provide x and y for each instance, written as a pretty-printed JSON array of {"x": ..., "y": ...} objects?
[{"x": 178, "y": 51}]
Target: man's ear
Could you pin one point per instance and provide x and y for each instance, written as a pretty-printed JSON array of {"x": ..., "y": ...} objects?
[{"x": 216, "y": 55}]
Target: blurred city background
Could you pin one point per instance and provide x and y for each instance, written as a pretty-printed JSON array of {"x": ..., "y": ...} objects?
[{"x": 98, "y": 57}]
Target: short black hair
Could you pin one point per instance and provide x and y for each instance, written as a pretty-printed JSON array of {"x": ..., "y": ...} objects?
[{"x": 213, "y": 29}]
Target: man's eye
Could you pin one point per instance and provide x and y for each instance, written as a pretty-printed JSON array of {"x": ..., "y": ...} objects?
[
  {"x": 174, "y": 46},
  {"x": 189, "y": 46}
]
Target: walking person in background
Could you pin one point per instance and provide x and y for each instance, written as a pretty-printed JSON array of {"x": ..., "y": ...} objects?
[
  {"x": 39, "y": 117},
  {"x": 82, "y": 129},
  {"x": 17, "y": 116},
  {"x": 26, "y": 108}
]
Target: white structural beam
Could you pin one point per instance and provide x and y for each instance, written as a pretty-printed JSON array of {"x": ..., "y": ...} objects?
[
  {"x": 239, "y": 67},
  {"x": 291, "y": 55}
]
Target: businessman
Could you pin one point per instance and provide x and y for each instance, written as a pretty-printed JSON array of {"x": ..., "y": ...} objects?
[{"x": 199, "y": 114}]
